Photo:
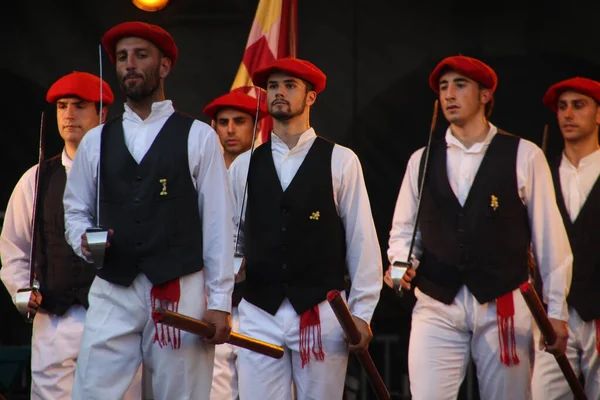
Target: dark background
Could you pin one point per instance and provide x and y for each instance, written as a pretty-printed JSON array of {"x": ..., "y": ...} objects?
[{"x": 377, "y": 55}]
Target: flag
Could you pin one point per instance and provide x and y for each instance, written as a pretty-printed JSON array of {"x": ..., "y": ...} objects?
[{"x": 273, "y": 36}]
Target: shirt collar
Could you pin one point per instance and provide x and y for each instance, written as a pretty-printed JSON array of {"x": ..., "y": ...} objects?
[
  {"x": 64, "y": 158},
  {"x": 304, "y": 140},
  {"x": 586, "y": 161},
  {"x": 452, "y": 141},
  {"x": 160, "y": 109}
]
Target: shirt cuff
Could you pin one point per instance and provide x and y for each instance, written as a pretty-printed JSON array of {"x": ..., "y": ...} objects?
[
  {"x": 219, "y": 301},
  {"x": 558, "y": 310},
  {"x": 364, "y": 313}
]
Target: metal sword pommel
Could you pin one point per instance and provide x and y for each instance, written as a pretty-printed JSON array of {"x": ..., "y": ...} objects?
[
  {"x": 22, "y": 302},
  {"x": 398, "y": 270},
  {"x": 97, "y": 238}
]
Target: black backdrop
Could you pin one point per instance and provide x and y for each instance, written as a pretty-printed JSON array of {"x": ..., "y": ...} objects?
[{"x": 377, "y": 56}]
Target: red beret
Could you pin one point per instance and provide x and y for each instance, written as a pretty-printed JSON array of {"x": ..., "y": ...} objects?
[
  {"x": 294, "y": 67},
  {"x": 469, "y": 67},
  {"x": 584, "y": 86},
  {"x": 152, "y": 33},
  {"x": 239, "y": 101},
  {"x": 80, "y": 84}
]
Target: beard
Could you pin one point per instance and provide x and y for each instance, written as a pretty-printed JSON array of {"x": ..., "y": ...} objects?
[
  {"x": 140, "y": 90},
  {"x": 286, "y": 113}
]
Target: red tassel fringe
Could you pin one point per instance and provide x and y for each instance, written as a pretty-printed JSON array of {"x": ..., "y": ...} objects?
[
  {"x": 166, "y": 295},
  {"x": 505, "y": 310},
  {"x": 310, "y": 329}
]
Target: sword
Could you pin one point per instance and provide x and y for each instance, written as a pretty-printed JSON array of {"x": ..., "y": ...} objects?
[
  {"x": 238, "y": 256},
  {"x": 97, "y": 236},
  {"x": 400, "y": 267},
  {"x": 24, "y": 294},
  {"x": 545, "y": 139}
]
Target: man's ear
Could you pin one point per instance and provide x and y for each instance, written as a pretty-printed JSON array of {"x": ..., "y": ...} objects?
[
  {"x": 165, "y": 67},
  {"x": 104, "y": 113},
  {"x": 311, "y": 97},
  {"x": 485, "y": 95}
]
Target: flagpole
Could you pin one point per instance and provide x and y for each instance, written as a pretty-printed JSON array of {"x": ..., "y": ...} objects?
[{"x": 292, "y": 28}]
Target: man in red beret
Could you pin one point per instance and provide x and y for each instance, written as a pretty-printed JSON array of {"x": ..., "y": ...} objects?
[
  {"x": 487, "y": 197},
  {"x": 64, "y": 279},
  {"x": 234, "y": 119},
  {"x": 576, "y": 102},
  {"x": 165, "y": 201},
  {"x": 307, "y": 224}
]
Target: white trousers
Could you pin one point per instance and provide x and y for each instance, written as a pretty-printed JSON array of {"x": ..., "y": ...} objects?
[
  {"x": 444, "y": 337},
  {"x": 119, "y": 335},
  {"x": 549, "y": 382},
  {"x": 225, "y": 372},
  {"x": 54, "y": 350},
  {"x": 262, "y": 377}
]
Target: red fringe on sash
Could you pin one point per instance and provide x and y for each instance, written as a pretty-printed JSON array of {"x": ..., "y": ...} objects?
[
  {"x": 597, "y": 322},
  {"x": 505, "y": 310},
  {"x": 310, "y": 328},
  {"x": 166, "y": 295}
]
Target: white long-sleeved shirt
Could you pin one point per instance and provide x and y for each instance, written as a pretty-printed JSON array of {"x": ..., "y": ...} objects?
[
  {"x": 551, "y": 247},
  {"x": 207, "y": 172},
  {"x": 363, "y": 257},
  {"x": 577, "y": 182},
  {"x": 15, "y": 240}
]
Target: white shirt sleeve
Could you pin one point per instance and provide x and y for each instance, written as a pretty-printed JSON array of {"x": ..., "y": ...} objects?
[
  {"x": 238, "y": 171},
  {"x": 550, "y": 242},
  {"x": 403, "y": 222},
  {"x": 214, "y": 200},
  {"x": 15, "y": 240},
  {"x": 79, "y": 199},
  {"x": 363, "y": 255}
]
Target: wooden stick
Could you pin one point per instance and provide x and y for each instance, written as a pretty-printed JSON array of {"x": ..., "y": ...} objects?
[
  {"x": 541, "y": 318},
  {"x": 206, "y": 330},
  {"x": 340, "y": 308}
]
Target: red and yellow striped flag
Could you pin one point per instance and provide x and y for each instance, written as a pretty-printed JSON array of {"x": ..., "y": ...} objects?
[{"x": 273, "y": 36}]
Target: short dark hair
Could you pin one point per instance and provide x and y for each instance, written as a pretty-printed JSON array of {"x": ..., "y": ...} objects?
[
  {"x": 97, "y": 104},
  {"x": 309, "y": 86}
]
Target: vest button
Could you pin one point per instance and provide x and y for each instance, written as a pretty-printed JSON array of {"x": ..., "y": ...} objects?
[
  {"x": 284, "y": 266},
  {"x": 283, "y": 247},
  {"x": 136, "y": 200},
  {"x": 461, "y": 214},
  {"x": 283, "y": 229},
  {"x": 139, "y": 178},
  {"x": 284, "y": 210},
  {"x": 285, "y": 285}
]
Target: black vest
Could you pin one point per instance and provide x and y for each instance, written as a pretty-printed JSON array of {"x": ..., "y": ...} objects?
[
  {"x": 483, "y": 244},
  {"x": 152, "y": 206},
  {"x": 295, "y": 244},
  {"x": 584, "y": 237},
  {"x": 64, "y": 278}
]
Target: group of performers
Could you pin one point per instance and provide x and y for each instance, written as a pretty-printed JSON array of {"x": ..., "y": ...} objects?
[{"x": 179, "y": 197}]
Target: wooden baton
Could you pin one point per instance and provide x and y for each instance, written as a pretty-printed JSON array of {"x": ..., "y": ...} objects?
[
  {"x": 341, "y": 311},
  {"x": 541, "y": 318},
  {"x": 206, "y": 330}
]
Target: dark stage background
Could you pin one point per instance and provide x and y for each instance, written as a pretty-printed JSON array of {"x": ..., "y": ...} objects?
[{"x": 377, "y": 56}]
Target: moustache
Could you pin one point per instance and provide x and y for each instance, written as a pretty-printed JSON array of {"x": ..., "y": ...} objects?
[{"x": 275, "y": 102}]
